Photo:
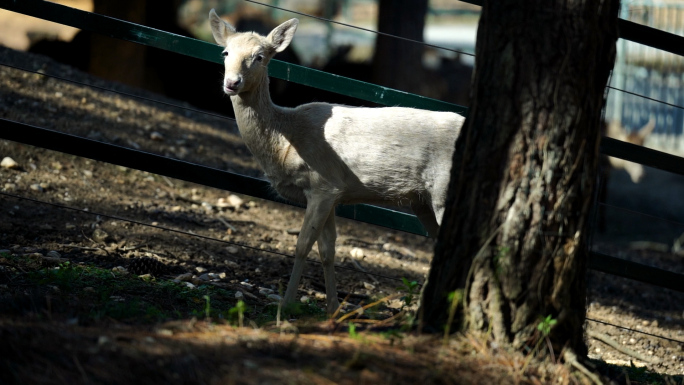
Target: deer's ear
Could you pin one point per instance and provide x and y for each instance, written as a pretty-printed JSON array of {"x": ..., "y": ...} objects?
[
  {"x": 220, "y": 28},
  {"x": 282, "y": 35},
  {"x": 647, "y": 129}
]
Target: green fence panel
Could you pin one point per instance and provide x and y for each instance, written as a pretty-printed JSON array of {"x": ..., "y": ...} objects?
[{"x": 141, "y": 34}]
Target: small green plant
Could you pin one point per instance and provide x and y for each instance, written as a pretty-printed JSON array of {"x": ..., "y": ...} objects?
[
  {"x": 545, "y": 325},
  {"x": 454, "y": 298},
  {"x": 411, "y": 289},
  {"x": 352, "y": 331},
  {"x": 207, "y": 307},
  {"x": 239, "y": 311}
]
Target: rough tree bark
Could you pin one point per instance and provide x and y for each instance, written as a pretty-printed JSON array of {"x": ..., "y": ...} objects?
[
  {"x": 398, "y": 63},
  {"x": 513, "y": 235}
]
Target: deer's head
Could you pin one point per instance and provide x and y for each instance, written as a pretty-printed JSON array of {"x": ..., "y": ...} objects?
[{"x": 246, "y": 55}]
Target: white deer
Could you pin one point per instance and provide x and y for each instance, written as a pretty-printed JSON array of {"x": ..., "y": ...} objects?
[{"x": 324, "y": 154}]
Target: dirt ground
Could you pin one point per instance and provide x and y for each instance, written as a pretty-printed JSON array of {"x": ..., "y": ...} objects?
[{"x": 246, "y": 244}]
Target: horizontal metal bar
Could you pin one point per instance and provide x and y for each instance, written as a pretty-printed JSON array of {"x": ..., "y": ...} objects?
[
  {"x": 636, "y": 271},
  {"x": 190, "y": 172},
  {"x": 141, "y": 34},
  {"x": 639, "y": 33},
  {"x": 646, "y": 156}
]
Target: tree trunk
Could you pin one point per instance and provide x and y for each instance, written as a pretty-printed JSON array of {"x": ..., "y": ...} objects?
[
  {"x": 399, "y": 63},
  {"x": 513, "y": 238}
]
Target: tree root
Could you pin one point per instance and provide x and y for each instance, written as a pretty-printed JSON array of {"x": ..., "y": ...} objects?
[
  {"x": 607, "y": 340},
  {"x": 571, "y": 358}
]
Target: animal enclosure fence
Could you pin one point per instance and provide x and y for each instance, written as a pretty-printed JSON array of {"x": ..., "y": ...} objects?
[
  {"x": 649, "y": 71},
  {"x": 131, "y": 158}
]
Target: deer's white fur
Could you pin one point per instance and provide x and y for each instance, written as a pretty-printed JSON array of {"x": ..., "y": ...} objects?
[{"x": 324, "y": 154}]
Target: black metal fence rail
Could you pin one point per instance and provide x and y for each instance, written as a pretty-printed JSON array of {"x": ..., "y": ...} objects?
[
  {"x": 189, "y": 172},
  {"x": 259, "y": 188},
  {"x": 641, "y": 34}
]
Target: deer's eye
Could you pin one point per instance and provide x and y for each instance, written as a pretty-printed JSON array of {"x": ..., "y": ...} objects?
[
  {"x": 224, "y": 53},
  {"x": 259, "y": 57}
]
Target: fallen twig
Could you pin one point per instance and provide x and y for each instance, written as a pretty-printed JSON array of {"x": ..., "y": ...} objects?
[
  {"x": 607, "y": 340},
  {"x": 571, "y": 358}
]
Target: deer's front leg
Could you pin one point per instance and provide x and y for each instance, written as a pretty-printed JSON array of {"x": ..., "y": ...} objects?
[{"x": 318, "y": 210}]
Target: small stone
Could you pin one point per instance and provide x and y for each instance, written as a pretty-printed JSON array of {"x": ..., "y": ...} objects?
[
  {"x": 232, "y": 249},
  {"x": 9, "y": 163},
  {"x": 304, "y": 299},
  {"x": 257, "y": 270},
  {"x": 221, "y": 275},
  {"x": 10, "y": 186},
  {"x": 100, "y": 235},
  {"x": 58, "y": 94},
  {"x": 293, "y": 231},
  {"x": 204, "y": 277},
  {"x": 368, "y": 286},
  {"x": 356, "y": 252},
  {"x": 632, "y": 341},
  {"x": 232, "y": 265},
  {"x": 239, "y": 295},
  {"x": 36, "y": 187},
  {"x": 87, "y": 173},
  {"x": 200, "y": 269},
  {"x": 45, "y": 185},
  {"x": 54, "y": 254},
  {"x": 234, "y": 201},
  {"x": 189, "y": 285},
  {"x": 222, "y": 203},
  {"x": 156, "y": 136},
  {"x": 319, "y": 295},
  {"x": 265, "y": 291},
  {"x": 145, "y": 276},
  {"x": 274, "y": 297},
  {"x": 69, "y": 226},
  {"x": 645, "y": 323},
  {"x": 183, "y": 277},
  {"x": 597, "y": 350},
  {"x": 119, "y": 269},
  {"x": 207, "y": 206}
]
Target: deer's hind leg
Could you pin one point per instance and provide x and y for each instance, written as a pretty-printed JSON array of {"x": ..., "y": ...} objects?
[
  {"x": 326, "y": 249},
  {"x": 427, "y": 217}
]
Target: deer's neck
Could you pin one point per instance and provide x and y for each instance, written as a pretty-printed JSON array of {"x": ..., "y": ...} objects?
[{"x": 260, "y": 122}]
